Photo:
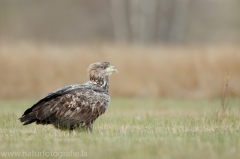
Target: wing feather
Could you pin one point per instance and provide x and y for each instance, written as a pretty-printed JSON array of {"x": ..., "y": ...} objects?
[
  {"x": 69, "y": 105},
  {"x": 62, "y": 110},
  {"x": 44, "y": 112},
  {"x": 88, "y": 106}
]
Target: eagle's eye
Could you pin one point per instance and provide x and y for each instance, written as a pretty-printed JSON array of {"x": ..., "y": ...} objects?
[{"x": 104, "y": 67}]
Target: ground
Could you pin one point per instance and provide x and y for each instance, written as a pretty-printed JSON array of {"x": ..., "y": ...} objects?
[{"x": 130, "y": 128}]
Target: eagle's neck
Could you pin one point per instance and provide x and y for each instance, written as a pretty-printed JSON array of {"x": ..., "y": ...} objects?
[{"x": 100, "y": 82}]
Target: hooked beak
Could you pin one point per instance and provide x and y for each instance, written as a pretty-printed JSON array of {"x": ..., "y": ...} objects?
[{"x": 111, "y": 69}]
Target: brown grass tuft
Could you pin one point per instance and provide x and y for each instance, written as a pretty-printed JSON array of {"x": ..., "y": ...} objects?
[{"x": 32, "y": 70}]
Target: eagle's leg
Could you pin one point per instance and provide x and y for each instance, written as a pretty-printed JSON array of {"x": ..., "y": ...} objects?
[{"x": 89, "y": 127}]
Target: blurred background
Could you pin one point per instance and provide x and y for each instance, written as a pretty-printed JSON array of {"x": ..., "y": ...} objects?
[{"x": 162, "y": 48}]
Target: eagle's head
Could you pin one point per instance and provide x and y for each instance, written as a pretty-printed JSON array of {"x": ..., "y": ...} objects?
[{"x": 100, "y": 71}]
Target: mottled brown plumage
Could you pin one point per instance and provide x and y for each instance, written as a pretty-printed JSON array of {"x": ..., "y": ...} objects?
[{"x": 74, "y": 106}]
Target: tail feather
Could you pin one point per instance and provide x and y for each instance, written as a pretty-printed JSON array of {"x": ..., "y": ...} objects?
[
  {"x": 31, "y": 115},
  {"x": 29, "y": 121}
]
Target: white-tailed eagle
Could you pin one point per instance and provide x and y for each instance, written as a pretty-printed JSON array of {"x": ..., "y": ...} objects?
[{"x": 74, "y": 106}]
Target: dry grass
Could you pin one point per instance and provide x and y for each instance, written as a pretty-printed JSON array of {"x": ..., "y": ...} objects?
[
  {"x": 131, "y": 128},
  {"x": 32, "y": 70}
]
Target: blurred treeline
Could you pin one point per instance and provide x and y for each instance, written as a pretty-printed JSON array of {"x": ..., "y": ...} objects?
[
  {"x": 136, "y": 21},
  {"x": 162, "y": 48}
]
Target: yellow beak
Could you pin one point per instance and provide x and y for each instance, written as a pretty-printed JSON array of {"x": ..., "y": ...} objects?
[{"x": 111, "y": 69}]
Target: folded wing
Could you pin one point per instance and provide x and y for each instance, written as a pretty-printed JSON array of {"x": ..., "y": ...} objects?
[{"x": 68, "y": 107}]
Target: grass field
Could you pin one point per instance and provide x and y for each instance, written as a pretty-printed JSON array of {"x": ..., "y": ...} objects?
[
  {"x": 144, "y": 71},
  {"x": 131, "y": 128}
]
